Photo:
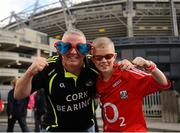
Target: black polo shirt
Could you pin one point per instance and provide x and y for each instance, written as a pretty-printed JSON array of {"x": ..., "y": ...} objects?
[{"x": 69, "y": 99}]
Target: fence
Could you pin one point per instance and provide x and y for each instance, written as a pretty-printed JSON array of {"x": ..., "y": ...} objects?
[
  {"x": 170, "y": 105},
  {"x": 152, "y": 105},
  {"x": 163, "y": 104}
]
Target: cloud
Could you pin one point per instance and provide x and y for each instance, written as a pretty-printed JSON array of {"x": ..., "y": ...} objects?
[{"x": 8, "y": 6}]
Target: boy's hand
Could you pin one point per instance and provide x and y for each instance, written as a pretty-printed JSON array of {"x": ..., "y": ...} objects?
[
  {"x": 141, "y": 62},
  {"x": 149, "y": 66}
]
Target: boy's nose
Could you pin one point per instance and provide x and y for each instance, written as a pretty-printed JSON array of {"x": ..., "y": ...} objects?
[{"x": 103, "y": 59}]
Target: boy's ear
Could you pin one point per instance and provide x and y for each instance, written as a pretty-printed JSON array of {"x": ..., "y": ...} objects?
[{"x": 115, "y": 55}]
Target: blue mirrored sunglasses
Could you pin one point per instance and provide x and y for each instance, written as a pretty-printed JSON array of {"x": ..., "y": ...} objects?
[{"x": 65, "y": 47}]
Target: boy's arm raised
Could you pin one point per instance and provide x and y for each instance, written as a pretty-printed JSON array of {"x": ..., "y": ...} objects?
[{"x": 151, "y": 68}]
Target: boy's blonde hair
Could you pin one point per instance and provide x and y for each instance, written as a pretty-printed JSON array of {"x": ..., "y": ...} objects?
[{"x": 102, "y": 42}]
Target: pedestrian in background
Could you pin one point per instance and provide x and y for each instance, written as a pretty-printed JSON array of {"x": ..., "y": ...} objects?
[
  {"x": 1, "y": 104},
  {"x": 39, "y": 108},
  {"x": 16, "y": 110}
]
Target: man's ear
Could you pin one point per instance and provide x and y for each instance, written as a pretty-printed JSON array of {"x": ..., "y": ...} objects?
[
  {"x": 92, "y": 50},
  {"x": 92, "y": 59}
]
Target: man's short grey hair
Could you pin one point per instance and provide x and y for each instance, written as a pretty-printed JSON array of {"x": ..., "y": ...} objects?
[{"x": 74, "y": 31}]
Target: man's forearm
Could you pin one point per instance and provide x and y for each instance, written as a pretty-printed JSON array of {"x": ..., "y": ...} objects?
[{"x": 23, "y": 86}]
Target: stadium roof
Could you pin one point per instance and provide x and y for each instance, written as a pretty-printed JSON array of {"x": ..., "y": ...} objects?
[
  {"x": 40, "y": 8},
  {"x": 51, "y": 19}
]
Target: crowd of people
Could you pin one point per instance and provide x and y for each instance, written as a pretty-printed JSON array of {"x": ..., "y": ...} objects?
[{"x": 68, "y": 84}]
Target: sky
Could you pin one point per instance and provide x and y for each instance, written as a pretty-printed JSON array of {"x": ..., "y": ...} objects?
[{"x": 7, "y": 6}]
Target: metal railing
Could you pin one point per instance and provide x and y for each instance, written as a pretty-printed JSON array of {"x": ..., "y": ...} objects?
[
  {"x": 124, "y": 41},
  {"x": 152, "y": 105}
]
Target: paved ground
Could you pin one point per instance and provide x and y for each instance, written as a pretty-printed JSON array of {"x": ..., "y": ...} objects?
[
  {"x": 152, "y": 124},
  {"x": 3, "y": 125},
  {"x": 157, "y": 125}
]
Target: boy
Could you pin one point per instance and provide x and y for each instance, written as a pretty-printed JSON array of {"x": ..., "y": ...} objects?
[{"x": 122, "y": 92}]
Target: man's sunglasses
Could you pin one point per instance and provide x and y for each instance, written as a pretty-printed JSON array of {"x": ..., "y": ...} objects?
[
  {"x": 100, "y": 57},
  {"x": 65, "y": 47}
]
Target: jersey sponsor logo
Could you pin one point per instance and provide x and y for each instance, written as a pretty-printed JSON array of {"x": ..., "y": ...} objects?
[
  {"x": 116, "y": 114},
  {"x": 76, "y": 101},
  {"x": 123, "y": 94},
  {"x": 62, "y": 85},
  {"x": 115, "y": 111},
  {"x": 78, "y": 96},
  {"x": 89, "y": 83},
  {"x": 116, "y": 83},
  {"x": 74, "y": 107}
]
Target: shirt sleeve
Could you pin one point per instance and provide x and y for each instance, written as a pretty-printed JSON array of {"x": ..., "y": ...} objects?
[
  {"x": 145, "y": 83},
  {"x": 155, "y": 86},
  {"x": 38, "y": 81}
]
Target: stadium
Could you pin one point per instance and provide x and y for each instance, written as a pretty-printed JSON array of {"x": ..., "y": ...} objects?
[{"x": 147, "y": 28}]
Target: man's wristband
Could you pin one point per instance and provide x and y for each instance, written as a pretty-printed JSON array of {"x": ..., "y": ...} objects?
[{"x": 151, "y": 68}]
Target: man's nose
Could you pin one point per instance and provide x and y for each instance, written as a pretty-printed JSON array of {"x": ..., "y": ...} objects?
[{"x": 73, "y": 51}]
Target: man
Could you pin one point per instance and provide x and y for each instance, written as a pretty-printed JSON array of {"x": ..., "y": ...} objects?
[
  {"x": 122, "y": 92},
  {"x": 16, "y": 110},
  {"x": 69, "y": 85}
]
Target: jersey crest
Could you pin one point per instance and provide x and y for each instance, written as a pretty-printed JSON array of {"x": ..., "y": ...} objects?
[
  {"x": 89, "y": 83},
  {"x": 123, "y": 94}
]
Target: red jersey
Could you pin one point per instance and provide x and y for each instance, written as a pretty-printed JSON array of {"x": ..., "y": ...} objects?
[{"x": 122, "y": 99}]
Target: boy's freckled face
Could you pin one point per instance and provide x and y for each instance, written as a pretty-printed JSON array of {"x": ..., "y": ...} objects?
[{"x": 104, "y": 65}]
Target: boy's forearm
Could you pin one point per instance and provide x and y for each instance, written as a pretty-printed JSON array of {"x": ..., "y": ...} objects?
[
  {"x": 151, "y": 67},
  {"x": 160, "y": 77}
]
